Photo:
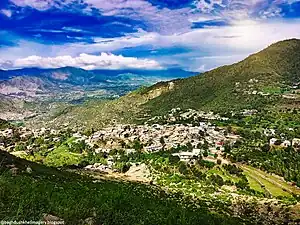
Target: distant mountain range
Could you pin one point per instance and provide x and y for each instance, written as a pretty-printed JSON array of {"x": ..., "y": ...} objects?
[
  {"x": 20, "y": 87},
  {"x": 31, "y": 82},
  {"x": 79, "y": 76},
  {"x": 268, "y": 79}
]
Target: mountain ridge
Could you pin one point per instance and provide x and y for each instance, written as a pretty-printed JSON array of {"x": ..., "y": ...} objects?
[
  {"x": 76, "y": 77},
  {"x": 276, "y": 66}
]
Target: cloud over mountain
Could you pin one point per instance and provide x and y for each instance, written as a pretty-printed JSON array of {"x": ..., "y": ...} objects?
[{"x": 88, "y": 62}]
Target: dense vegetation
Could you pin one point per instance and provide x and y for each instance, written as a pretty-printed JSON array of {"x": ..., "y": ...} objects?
[
  {"x": 4, "y": 124},
  {"x": 255, "y": 149}
]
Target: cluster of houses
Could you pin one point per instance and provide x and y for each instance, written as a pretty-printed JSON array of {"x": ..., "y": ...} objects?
[
  {"x": 26, "y": 132},
  {"x": 23, "y": 134},
  {"x": 150, "y": 138},
  {"x": 178, "y": 114},
  {"x": 153, "y": 138},
  {"x": 295, "y": 143},
  {"x": 157, "y": 137}
]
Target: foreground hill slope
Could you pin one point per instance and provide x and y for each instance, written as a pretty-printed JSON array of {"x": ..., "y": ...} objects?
[
  {"x": 261, "y": 80},
  {"x": 29, "y": 190}
]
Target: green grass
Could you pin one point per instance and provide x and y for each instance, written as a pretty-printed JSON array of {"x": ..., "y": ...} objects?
[
  {"x": 253, "y": 183},
  {"x": 73, "y": 198},
  {"x": 274, "y": 189},
  {"x": 272, "y": 90},
  {"x": 61, "y": 156},
  {"x": 224, "y": 174},
  {"x": 276, "y": 179}
]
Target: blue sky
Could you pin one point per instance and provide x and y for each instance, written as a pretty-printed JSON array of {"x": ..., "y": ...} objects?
[{"x": 195, "y": 35}]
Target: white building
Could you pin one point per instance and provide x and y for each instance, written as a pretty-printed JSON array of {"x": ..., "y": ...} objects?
[
  {"x": 185, "y": 156},
  {"x": 296, "y": 142},
  {"x": 273, "y": 141},
  {"x": 286, "y": 143}
]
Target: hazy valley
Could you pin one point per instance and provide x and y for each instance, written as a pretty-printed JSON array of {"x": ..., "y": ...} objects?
[{"x": 32, "y": 92}]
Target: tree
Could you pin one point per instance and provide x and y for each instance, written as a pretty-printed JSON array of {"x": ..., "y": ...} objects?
[
  {"x": 174, "y": 159},
  {"x": 189, "y": 146},
  {"x": 122, "y": 143},
  {"x": 201, "y": 133},
  {"x": 205, "y": 145},
  {"x": 137, "y": 145},
  {"x": 227, "y": 148},
  {"x": 217, "y": 179},
  {"x": 162, "y": 141},
  {"x": 229, "y": 129},
  {"x": 266, "y": 148},
  {"x": 20, "y": 147},
  {"x": 183, "y": 169},
  {"x": 199, "y": 145},
  {"x": 242, "y": 184}
]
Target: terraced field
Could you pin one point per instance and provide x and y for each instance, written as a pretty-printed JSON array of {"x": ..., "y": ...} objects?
[
  {"x": 224, "y": 174},
  {"x": 267, "y": 183},
  {"x": 254, "y": 184}
]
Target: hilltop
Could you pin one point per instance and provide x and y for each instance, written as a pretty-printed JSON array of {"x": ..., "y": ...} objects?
[
  {"x": 266, "y": 79},
  {"x": 251, "y": 83}
]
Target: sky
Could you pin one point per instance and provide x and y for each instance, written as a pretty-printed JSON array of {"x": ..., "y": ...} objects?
[{"x": 194, "y": 35}]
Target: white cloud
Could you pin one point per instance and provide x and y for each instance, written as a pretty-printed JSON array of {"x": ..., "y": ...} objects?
[
  {"x": 160, "y": 19},
  {"x": 6, "y": 12},
  {"x": 208, "y": 6},
  {"x": 88, "y": 62},
  {"x": 4, "y": 64},
  {"x": 243, "y": 9},
  {"x": 37, "y": 4},
  {"x": 204, "y": 18},
  {"x": 243, "y": 37},
  {"x": 163, "y": 20}
]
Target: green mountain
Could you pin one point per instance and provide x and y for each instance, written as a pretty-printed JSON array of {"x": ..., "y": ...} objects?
[
  {"x": 252, "y": 83},
  {"x": 268, "y": 78}
]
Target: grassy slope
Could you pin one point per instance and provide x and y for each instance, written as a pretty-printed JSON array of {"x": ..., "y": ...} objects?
[
  {"x": 4, "y": 124},
  {"x": 262, "y": 177},
  {"x": 127, "y": 109},
  {"x": 277, "y": 181},
  {"x": 73, "y": 198},
  {"x": 215, "y": 89}
]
